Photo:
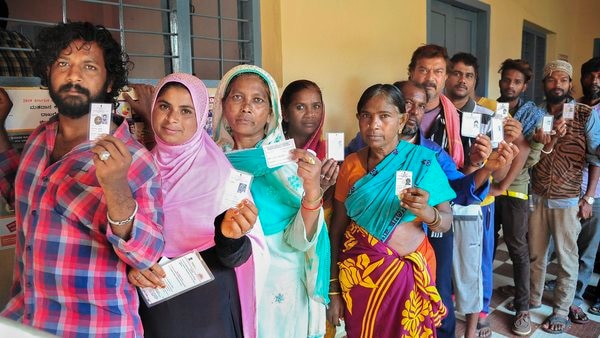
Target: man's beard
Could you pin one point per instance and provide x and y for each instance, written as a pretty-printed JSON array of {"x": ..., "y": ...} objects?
[
  {"x": 555, "y": 98},
  {"x": 410, "y": 129},
  {"x": 507, "y": 97},
  {"x": 75, "y": 106},
  {"x": 591, "y": 93}
]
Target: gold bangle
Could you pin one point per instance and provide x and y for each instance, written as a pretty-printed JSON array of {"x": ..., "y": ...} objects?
[
  {"x": 547, "y": 152},
  {"x": 437, "y": 222},
  {"x": 334, "y": 293},
  {"x": 333, "y": 280},
  {"x": 436, "y": 217},
  {"x": 434, "y": 227}
]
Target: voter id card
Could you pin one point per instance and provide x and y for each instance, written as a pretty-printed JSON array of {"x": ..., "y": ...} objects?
[
  {"x": 279, "y": 153},
  {"x": 568, "y": 112},
  {"x": 237, "y": 187},
  {"x": 471, "y": 125},
  {"x": 100, "y": 117},
  {"x": 547, "y": 124},
  {"x": 403, "y": 180},
  {"x": 501, "y": 110},
  {"x": 335, "y": 146}
]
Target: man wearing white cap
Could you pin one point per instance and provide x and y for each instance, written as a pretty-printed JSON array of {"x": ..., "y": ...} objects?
[{"x": 556, "y": 185}]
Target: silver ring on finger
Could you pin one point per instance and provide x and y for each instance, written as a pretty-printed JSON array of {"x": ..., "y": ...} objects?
[{"x": 104, "y": 155}]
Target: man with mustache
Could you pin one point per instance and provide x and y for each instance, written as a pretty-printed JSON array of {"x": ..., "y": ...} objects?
[
  {"x": 85, "y": 210},
  {"x": 473, "y": 224},
  {"x": 556, "y": 184},
  {"x": 440, "y": 123},
  {"x": 471, "y": 188},
  {"x": 511, "y": 205}
]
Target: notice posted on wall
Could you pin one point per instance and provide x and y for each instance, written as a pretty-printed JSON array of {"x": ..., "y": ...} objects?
[
  {"x": 182, "y": 274},
  {"x": 31, "y": 107}
]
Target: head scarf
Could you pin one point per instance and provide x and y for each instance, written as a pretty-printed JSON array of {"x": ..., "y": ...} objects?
[
  {"x": 193, "y": 178},
  {"x": 276, "y": 210},
  {"x": 316, "y": 142},
  {"x": 220, "y": 125}
]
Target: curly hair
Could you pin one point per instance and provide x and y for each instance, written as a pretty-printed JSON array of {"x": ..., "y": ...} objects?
[
  {"x": 53, "y": 40},
  {"x": 519, "y": 65}
]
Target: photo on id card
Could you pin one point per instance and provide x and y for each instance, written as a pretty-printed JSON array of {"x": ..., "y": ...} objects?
[
  {"x": 502, "y": 110},
  {"x": 100, "y": 118},
  {"x": 404, "y": 180},
  {"x": 497, "y": 130},
  {"x": 547, "y": 124},
  {"x": 471, "y": 125}
]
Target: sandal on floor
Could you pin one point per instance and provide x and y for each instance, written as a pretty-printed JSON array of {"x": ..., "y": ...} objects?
[
  {"x": 555, "y": 319},
  {"x": 577, "y": 316},
  {"x": 595, "y": 309},
  {"x": 484, "y": 330}
]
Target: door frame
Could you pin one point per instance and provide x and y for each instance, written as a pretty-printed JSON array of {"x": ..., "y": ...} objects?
[{"x": 483, "y": 32}]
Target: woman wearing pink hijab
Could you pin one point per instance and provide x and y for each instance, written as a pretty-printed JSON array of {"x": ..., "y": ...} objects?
[{"x": 194, "y": 172}]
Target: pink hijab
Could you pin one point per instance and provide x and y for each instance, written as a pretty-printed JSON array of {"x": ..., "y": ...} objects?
[{"x": 193, "y": 176}]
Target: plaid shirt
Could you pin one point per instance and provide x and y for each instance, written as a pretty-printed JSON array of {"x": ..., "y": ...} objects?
[{"x": 70, "y": 274}]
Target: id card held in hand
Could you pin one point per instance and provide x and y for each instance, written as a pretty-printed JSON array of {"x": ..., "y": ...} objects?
[
  {"x": 183, "y": 273},
  {"x": 236, "y": 188},
  {"x": 100, "y": 118},
  {"x": 471, "y": 125},
  {"x": 279, "y": 153},
  {"x": 403, "y": 181}
]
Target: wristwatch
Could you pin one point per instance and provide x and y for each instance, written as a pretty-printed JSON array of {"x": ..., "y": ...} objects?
[{"x": 588, "y": 199}]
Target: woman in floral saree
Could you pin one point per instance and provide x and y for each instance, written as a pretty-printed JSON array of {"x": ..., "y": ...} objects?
[{"x": 384, "y": 286}]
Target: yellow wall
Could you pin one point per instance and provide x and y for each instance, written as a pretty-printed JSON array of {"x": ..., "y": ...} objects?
[
  {"x": 347, "y": 45},
  {"x": 571, "y": 26}
]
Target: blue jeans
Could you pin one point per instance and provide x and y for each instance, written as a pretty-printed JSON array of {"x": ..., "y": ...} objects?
[
  {"x": 443, "y": 247},
  {"x": 587, "y": 244},
  {"x": 487, "y": 252}
]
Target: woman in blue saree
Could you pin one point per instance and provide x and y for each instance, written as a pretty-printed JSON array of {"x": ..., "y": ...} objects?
[{"x": 383, "y": 276}]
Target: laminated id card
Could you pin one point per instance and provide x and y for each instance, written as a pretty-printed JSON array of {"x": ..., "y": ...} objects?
[
  {"x": 403, "y": 180},
  {"x": 568, "y": 112},
  {"x": 278, "y": 153},
  {"x": 335, "y": 146},
  {"x": 100, "y": 117},
  {"x": 497, "y": 130},
  {"x": 236, "y": 188},
  {"x": 547, "y": 124},
  {"x": 501, "y": 110},
  {"x": 471, "y": 125},
  {"x": 183, "y": 273}
]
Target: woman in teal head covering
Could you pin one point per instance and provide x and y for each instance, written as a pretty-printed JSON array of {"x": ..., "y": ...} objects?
[{"x": 247, "y": 117}]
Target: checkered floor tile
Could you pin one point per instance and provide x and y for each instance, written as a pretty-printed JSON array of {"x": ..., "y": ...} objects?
[{"x": 500, "y": 317}]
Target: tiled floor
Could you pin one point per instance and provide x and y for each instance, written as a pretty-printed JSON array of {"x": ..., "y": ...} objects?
[{"x": 501, "y": 318}]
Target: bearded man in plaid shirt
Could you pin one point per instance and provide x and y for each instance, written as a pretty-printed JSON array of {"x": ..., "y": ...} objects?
[{"x": 85, "y": 210}]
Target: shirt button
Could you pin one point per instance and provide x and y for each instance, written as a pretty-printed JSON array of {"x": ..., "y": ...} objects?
[
  {"x": 28, "y": 248},
  {"x": 28, "y": 316},
  {"x": 45, "y": 179},
  {"x": 34, "y": 212},
  {"x": 28, "y": 284}
]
